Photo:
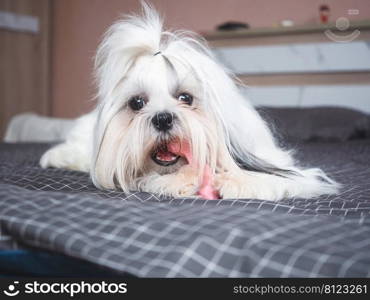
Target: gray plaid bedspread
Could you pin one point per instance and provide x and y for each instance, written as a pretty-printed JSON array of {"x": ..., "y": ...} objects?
[{"x": 144, "y": 235}]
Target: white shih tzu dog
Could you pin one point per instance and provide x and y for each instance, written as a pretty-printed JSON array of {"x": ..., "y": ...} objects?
[{"x": 170, "y": 120}]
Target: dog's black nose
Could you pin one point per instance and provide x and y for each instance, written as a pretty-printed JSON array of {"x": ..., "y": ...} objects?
[{"x": 163, "y": 121}]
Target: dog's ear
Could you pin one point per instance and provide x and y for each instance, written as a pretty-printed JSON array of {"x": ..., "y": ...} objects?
[
  {"x": 251, "y": 144},
  {"x": 249, "y": 162}
]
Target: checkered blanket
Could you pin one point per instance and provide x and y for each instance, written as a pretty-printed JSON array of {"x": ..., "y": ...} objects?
[{"x": 145, "y": 235}]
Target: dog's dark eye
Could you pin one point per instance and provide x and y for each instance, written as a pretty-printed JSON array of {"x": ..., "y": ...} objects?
[
  {"x": 186, "y": 98},
  {"x": 137, "y": 102}
]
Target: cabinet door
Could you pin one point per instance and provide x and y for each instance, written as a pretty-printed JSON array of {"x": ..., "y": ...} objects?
[{"x": 24, "y": 58}]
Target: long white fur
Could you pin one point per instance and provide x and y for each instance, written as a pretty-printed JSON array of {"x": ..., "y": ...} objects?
[{"x": 114, "y": 143}]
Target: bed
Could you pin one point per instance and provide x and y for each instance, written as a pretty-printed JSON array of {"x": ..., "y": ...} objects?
[{"x": 55, "y": 222}]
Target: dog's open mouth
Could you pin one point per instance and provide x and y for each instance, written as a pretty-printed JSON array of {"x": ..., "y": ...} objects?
[{"x": 164, "y": 157}]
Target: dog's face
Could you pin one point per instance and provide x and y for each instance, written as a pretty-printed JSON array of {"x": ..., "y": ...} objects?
[{"x": 163, "y": 110}]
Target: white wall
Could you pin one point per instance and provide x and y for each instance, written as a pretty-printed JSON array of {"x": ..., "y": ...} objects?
[
  {"x": 352, "y": 96},
  {"x": 303, "y": 58}
]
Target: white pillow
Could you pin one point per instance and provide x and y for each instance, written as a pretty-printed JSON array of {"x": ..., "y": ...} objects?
[{"x": 30, "y": 127}]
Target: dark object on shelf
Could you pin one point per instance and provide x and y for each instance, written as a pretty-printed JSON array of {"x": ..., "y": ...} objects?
[
  {"x": 324, "y": 13},
  {"x": 231, "y": 25}
]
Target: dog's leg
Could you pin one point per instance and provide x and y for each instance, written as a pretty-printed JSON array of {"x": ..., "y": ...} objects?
[
  {"x": 75, "y": 152},
  {"x": 183, "y": 183},
  {"x": 254, "y": 185},
  {"x": 66, "y": 156}
]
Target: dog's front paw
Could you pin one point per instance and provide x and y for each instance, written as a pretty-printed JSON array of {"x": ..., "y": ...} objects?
[
  {"x": 185, "y": 183},
  {"x": 66, "y": 157},
  {"x": 186, "y": 190},
  {"x": 247, "y": 185}
]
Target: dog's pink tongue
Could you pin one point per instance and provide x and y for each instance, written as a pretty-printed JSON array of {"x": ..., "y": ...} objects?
[
  {"x": 206, "y": 189},
  {"x": 182, "y": 149}
]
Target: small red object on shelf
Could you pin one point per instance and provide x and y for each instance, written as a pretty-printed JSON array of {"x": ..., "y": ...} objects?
[{"x": 324, "y": 13}]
